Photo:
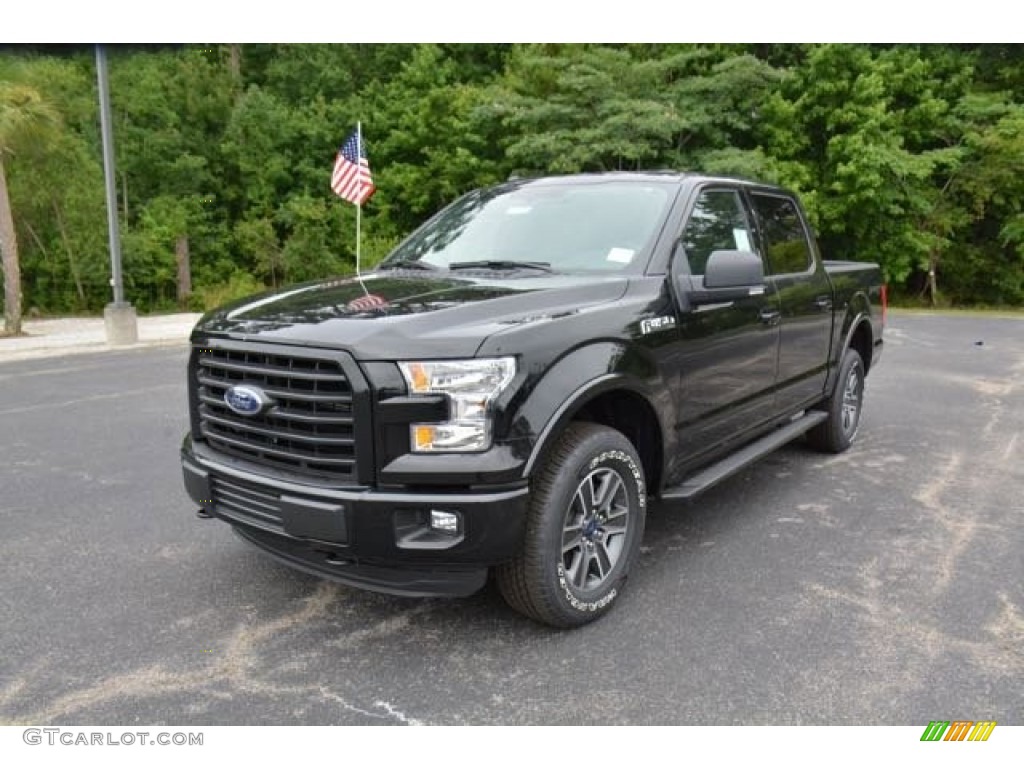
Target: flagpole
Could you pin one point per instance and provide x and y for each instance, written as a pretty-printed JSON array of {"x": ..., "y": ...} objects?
[{"x": 359, "y": 195}]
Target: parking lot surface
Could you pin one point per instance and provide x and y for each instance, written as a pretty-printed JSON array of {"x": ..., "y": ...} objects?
[{"x": 882, "y": 586}]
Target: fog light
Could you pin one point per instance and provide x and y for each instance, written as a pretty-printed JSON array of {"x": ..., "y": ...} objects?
[{"x": 446, "y": 522}]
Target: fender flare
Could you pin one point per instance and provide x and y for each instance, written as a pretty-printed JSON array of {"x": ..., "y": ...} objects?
[
  {"x": 586, "y": 373},
  {"x": 861, "y": 317}
]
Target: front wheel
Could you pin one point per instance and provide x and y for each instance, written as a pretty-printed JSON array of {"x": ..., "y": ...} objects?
[
  {"x": 836, "y": 433},
  {"x": 583, "y": 529}
]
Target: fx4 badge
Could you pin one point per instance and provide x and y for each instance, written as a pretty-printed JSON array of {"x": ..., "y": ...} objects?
[{"x": 651, "y": 324}]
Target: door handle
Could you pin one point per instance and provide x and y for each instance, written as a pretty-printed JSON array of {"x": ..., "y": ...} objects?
[
  {"x": 824, "y": 303},
  {"x": 770, "y": 316}
]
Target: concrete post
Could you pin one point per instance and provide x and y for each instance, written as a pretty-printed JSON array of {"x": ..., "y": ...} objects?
[{"x": 120, "y": 323}]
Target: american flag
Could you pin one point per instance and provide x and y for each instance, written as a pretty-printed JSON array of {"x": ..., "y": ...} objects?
[{"x": 351, "y": 179}]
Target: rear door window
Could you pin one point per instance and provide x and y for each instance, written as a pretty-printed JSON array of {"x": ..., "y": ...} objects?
[{"x": 783, "y": 234}]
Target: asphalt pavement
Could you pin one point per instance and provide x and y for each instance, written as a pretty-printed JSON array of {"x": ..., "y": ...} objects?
[{"x": 882, "y": 586}]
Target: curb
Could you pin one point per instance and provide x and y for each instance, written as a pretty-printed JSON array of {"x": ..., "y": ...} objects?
[{"x": 60, "y": 337}]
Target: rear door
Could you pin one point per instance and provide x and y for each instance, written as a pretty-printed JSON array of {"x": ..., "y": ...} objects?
[
  {"x": 804, "y": 292},
  {"x": 727, "y": 359}
]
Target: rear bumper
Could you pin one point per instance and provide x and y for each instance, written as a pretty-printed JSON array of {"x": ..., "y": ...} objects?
[{"x": 377, "y": 540}]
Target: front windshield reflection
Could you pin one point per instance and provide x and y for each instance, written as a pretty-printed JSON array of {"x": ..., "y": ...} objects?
[{"x": 586, "y": 227}]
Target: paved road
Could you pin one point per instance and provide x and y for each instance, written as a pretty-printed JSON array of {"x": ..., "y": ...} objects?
[{"x": 884, "y": 586}]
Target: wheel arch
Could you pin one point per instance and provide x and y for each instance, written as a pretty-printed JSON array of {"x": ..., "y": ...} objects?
[
  {"x": 860, "y": 338},
  {"x": 856, "y": 334},
  {"x": 614, "y": 401}
]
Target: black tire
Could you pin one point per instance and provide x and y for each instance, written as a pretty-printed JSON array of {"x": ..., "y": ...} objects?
[
  {"x": 592, "y": 482},
  {"x": 844, "y": 406}
]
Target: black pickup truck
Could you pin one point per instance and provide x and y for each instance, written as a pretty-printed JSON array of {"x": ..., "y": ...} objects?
[{"x": 513, "y": 383}]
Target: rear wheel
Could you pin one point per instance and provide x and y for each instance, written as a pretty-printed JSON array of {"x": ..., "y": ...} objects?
[
  {"x": 837, "y": 432},
  {"x": 583, "y": 530}
]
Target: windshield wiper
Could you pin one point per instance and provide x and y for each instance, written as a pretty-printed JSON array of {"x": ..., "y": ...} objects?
[
  {"x": 409, "y": 264},
  {"x": 498, "y": 264}
]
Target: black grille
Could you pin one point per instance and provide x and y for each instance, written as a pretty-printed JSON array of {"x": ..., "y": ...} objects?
[
  {"x": 307, "y": 431},
  {"x": 247, "y": 503}
]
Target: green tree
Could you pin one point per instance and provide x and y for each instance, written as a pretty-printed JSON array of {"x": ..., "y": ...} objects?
[
  {"x": 57, "y": 190},
  {"x": 23, "y": 114},
  {"x": 567, "y": 109},
  {"x": 906, "y": 155},
  {"x": 975, "y": 205},
  {"x": 427, "y": 140},
  {"x": 171, "y": 108}
]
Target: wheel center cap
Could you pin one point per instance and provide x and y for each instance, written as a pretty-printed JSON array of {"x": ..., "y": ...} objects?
[{"x": 590, "y": 527}]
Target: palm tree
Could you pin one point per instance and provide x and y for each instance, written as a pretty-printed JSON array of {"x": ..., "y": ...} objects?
[{"x": 23, "y": 112}]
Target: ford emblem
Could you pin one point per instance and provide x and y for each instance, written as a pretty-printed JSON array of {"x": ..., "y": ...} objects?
[{"x": 246, "y": 400}]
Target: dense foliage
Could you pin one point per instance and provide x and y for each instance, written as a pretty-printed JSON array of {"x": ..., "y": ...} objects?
[{"x": 912, "y": 156}]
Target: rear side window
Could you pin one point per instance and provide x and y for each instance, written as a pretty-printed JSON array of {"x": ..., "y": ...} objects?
[
  {"x": 783, "y": 233},
  {"x": 717, "y": 223}
]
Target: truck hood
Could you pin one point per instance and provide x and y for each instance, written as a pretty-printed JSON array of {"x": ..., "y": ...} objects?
[{"x": 398, "y": 315}]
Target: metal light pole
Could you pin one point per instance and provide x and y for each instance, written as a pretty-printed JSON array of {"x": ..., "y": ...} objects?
[{"x": 118, "y": 316}]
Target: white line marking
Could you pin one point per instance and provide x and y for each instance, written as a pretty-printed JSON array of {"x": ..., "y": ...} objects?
[{"x": 93, "y": 398}]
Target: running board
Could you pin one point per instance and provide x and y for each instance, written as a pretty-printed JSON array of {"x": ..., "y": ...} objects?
[{"x": 733, "y": 463}]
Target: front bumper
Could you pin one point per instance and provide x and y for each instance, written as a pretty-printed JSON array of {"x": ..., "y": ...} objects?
[{"x": 377, "y": 540}]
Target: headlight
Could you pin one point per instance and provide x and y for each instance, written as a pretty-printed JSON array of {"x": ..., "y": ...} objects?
[{"x": 470, "y": 385}]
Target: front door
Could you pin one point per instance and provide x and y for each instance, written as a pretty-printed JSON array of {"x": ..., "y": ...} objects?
[{"x": 728, "y": 351}]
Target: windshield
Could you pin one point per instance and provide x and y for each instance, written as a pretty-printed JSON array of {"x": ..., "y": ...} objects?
[{"x": 602, "y": 226}]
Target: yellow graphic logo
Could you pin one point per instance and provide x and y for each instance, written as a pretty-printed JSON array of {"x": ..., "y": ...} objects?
[{"x": 958, "y": 730}]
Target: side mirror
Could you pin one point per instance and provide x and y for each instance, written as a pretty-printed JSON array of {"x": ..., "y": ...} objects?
[
  {"x": 733, "y": 269},
  {"x": 729, "y": 276}
]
